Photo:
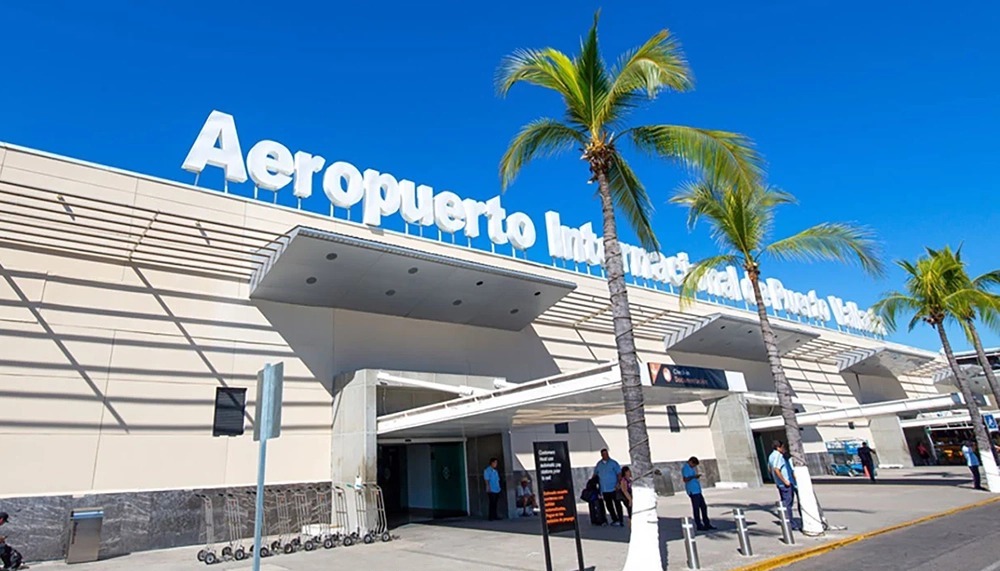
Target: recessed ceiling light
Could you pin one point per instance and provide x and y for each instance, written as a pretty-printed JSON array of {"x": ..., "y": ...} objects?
[
  {"x": 310, "y": 280},
  {"x": 457, "y": 302},
  {"x": 479, "y": 283},
  {"x": 331, "y": 256},
  {"x": 390, "y": 292},
  {"x": 723, "y": 327},
  {"x": 513, "y": 311},
  {"x": 538, "y": 293},
  {"x": 412, "y": 270}
]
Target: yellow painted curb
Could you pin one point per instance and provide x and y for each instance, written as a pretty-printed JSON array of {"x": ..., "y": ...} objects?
[{"x": 796, "y": 556}]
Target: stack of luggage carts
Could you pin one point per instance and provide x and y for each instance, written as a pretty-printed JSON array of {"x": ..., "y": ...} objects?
[{"x": 298, "y": 518}]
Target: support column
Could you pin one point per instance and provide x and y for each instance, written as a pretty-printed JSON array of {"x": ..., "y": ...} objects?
[
  {"x": 889, "y": 441},
  {"x": 353, "y": 439},
  {"x": 734, "y": 448}
]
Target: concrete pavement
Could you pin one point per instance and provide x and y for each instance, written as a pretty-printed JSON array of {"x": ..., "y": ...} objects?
[
  {"x": 901, "y": 495},
  {"x": 968, "y": 541}
]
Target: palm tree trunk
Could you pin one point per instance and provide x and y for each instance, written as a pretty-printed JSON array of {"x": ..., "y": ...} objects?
[
  {"x": 984, "y": 361},
  {"x": 812, "y": 522},
  {"x": 644, "y": 543},
  {"x": 978, "y": 427}
]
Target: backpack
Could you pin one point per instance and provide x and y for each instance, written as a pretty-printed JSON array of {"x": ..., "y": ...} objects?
[{"x": 11, "y": 557}]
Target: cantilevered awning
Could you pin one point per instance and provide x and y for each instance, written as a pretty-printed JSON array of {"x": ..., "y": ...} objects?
[
  {"x": 886, "y": 361},
  {"x": 736, "y": 336},
  {"x": 922, "y": 404},
  {"x": 588, "y": 393},
  {"x": 326, "y": 269}
]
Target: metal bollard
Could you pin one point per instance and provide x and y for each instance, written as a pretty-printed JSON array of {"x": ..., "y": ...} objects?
[
  {"x": 742, "y": 532},
  {"x": 786, "y": 526},
  {"x": 689, "y": 545}
]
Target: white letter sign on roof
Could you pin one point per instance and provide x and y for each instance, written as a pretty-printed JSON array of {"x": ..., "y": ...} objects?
[{"x": 219, "y": 127}]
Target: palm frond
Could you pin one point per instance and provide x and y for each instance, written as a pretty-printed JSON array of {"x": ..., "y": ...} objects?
[
  {"x": 540, "y": 137},
  {"x": 893, "y": 305},
  {"x": 656, "y": 65},
  {"x": 630, "y": 198},
  {"x": 722, "y": 157},
  {"x": 689, "y": 286},
  {"x": 592, "y": 78},
  {"x": 548, "y": 68},
  {"x": 831, "y": 241}
]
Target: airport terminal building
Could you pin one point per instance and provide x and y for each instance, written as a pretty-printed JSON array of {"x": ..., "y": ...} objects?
[{"x": 131, "y": 306}]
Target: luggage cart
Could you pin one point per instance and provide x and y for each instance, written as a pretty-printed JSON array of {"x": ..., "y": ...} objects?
[
  {"x": 322, "y": 514},
  {"x": 286, "y": 541},
  {"x": 344, "y": 534},
  {"x": 301, "y": 502},
  {"x": 208, "y": 554},
  {"x": 234, "y": 523},
  {"x": 265, "y": 551},
  {"x": 378, "y": 522},
  {"x": 362, "y": 512}
]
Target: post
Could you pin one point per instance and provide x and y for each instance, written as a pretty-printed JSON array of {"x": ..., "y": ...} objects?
[
  {"x": 579, "y": 544},
  {"x": 743, "y": 533},
  {"x": 690, "y": 547},
  {"x": 258, "y": 523},
  {"x": 786, "y": 526}
]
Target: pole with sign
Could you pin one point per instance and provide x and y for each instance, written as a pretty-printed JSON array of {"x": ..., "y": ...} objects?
[
  {"x": 555, "y": 485},
  {"x": 267, "y": 425}
]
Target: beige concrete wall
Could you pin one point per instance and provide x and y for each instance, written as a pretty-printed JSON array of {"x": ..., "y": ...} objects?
[{"x": 109, "y": 369}]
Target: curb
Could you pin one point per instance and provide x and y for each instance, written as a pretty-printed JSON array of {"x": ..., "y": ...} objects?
[{"x": 796, "y": 556}]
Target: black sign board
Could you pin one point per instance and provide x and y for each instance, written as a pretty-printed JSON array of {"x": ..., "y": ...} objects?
[
  {"x": 662, "y": 375},
  {"x": 230, "y": 406},
  {"x": 558, "y": 502}
]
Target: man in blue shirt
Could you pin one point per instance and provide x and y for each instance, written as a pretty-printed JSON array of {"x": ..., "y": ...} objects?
[
  {"x": 972, "y": 461},
  {"x": 492, "y": 479},
  {"x": 692, "y": 484},
  {"x": 609, "y": 473},
  {"x": 781, "y": 471}
]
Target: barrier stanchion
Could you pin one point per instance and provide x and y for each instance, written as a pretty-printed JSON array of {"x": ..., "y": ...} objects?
[
  {"x": 786, "y": 526},
  {"x": 742, "y": 532},
  {"x": 689, "y": 544}
]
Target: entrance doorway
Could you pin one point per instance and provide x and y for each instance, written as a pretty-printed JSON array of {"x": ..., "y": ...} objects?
[
  {"x": 423, "y": 481},
  {"x": 763, "y": 440}
]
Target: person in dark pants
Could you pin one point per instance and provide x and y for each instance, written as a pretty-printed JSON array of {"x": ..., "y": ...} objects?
[
  {"x": 492, "y": 479},
  {"x": 609, "y": 474},
  {"x": 865, "y": 454},
  {"x": 972, "y": 461},
  {"x": 692, "y": 484},
  {"x": 9, "y": 556},
  {"x": 781, "y": 472}
]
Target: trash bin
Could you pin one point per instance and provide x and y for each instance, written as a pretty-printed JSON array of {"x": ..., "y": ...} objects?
[{"x": 84, "y": 535}]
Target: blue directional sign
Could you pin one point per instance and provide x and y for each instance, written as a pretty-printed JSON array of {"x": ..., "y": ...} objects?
[{"x": 991, "y": 423}]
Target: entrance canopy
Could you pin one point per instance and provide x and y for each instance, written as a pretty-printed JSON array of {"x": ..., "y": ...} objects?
[
  {"x": 854, "y": 412},
  {"x": 326, "y": 269},
  {"x": 584, "y": 394},
  {"x": 736, "y": 336}
]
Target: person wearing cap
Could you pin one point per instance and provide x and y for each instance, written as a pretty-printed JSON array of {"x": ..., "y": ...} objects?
[
  {"x": 10, "y": 557},
  {"x": 526, "y": 498}
]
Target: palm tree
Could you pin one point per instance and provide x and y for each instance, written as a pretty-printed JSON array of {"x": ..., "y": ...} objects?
[
  {"x": 597, "y": 100},
  {"x": 986, "y": 308},
  {"x": 935, "y": 292},
  {"x": 741, "y": 219}
]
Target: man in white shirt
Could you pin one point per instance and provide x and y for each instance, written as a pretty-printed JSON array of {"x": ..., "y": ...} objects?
[
  {"x": 526, "y": 498},
  {"x": 972, "y": 461},
  {"x": 781, "y": 471}
]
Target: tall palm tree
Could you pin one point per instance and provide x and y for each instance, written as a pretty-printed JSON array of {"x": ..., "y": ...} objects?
[
  {"x": 597, "y": 99},
  {"x": 986, "y": 309},
  {"x": 741, "y": 219},
  {"x": 936, "y": 286}
]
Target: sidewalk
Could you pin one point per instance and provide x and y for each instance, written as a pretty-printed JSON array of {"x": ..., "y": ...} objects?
[{"x": 901, "y": 495}]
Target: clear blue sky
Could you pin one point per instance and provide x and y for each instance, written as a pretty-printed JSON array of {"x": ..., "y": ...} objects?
[{"x": 879, "y": 113}]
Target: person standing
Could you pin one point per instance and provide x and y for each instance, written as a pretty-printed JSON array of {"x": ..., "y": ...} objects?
[
  {"x": 492, "y": 479},
  {"x": 609, "y": 473},
  {"x": 924, "y": 453},
  {"x": 625, "y": 491},
  {"x": 692, "y": 485},
  {"x": 781, "y": 471},
  {"x": 867, "y": 462},
  {"x": 972, "y": 461}
]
